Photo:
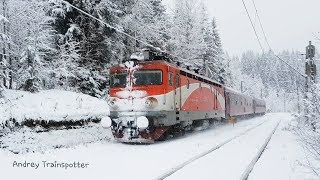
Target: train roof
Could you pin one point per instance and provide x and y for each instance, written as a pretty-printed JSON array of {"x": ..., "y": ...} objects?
[
  {"x": 228, "y": 89},
  {"x": 165, "y": 62}
]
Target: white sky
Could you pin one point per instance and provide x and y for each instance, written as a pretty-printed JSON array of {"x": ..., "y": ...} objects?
[{"x": 289, "y": 24}]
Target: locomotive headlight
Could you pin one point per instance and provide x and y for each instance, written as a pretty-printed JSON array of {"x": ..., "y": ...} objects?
[
  {"x": 106, "y": 122},
  {"x": 151, "y": 102},
  {"x": 142, "y": 122}
]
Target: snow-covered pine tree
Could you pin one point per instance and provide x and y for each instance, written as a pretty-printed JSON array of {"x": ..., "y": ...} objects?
[
  {"x": 30, "y": 70},
  {"x": 92, "y": 46},
  {"x": 146, "y": 20},
  {"x": 195, "y": 38},
  {"x": 186, "y": 34},
  {"x": 227, "y": 75},
  {"x": 217, "y": 62},
  {"x": 36, "y": 45},
  {"x": 31, "y": 43},
  {"x": 35, "y": 67}
]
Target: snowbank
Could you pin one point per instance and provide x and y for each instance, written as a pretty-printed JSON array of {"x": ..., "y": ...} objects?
[{"x": 51, "y": 105}]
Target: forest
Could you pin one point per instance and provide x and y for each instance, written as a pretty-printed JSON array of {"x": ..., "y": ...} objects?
[{"x": 51, "y": 45}]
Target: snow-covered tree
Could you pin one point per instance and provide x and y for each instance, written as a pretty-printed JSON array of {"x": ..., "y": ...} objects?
[
  {"x": 84, "y": 43},
  {"x": 308, "y": 128},
  {"x": 186, "y": 33},
  {"x": 32, "y": 43},
  {"x": 5, "y": 38},
  {"x": 217, "y": 61},
  {"x": 31, "y": 70},
  {"x": 146, "y": 20},
  {"x": 195, "y": 38},
  {"x": 96, "y": 46}
]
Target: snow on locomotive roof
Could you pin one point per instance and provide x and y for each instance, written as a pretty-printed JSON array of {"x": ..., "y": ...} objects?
[{"x": 138, "y": 56}]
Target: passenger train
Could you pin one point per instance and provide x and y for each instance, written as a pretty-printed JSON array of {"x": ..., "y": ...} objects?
[{"x": 151, "y": 98}]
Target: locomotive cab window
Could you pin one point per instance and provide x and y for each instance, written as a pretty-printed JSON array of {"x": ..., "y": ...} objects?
[
  {"x": 144, "y": 78},
  {"x": 118, "y": 80}
]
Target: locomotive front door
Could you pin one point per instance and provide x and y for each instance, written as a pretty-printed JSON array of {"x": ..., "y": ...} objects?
[{"x": 178, "y": 92}]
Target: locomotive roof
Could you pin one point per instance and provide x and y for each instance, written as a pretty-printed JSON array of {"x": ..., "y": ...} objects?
[
  {"x": 182, "y": 69},
  {"x": 178, "y": 67}
]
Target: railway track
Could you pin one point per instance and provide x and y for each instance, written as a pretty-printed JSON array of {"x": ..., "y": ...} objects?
[
  {"x": 249, "y": 168},
  {"x": 246, "y": 174},
  {"x": 189, "y": 161}
]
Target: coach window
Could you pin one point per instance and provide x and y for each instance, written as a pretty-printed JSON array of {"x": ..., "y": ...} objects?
[
  {"x": 188, "y": 83},
  {"x": 170, "y": 79},
  {"x": 178, "y": 80}
]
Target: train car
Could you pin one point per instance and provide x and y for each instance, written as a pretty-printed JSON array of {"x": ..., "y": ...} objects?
[
  {"x": 151, "y": 97},
  {"x": 259, "y": 106},
  {"x": 238, "y": 104}
]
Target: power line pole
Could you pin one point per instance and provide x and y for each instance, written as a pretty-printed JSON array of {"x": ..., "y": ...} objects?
[
  {"x": 311, "y": 68},
  {"x": 311, "y": 72}
]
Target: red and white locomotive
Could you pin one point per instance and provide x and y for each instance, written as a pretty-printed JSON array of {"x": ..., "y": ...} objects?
[{"x": 153, "y": 97}]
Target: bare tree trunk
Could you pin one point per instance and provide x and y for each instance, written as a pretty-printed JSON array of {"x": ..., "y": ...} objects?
[
  {"x": 3, "y": 56},
  {"x": 9, "y": 46}
]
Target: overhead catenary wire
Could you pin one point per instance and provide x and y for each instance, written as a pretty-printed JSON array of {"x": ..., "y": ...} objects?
[
  {"x": 259, "y": 20},
  {"x": 254, "y": 28},
  {"x": 266, "y": 39}
]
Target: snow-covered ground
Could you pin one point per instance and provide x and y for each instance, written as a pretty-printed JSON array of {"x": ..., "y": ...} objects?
[
  {"x": 26, "y": 140},
  {"x": 108, "y": 159},
  {"x": 234, "y": 160},
  {"x": 284, "y": 158},
  {"x": 55, "y": 105}
]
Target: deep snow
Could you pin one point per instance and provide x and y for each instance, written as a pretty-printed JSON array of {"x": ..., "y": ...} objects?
[{"x": 49, "y": 105}]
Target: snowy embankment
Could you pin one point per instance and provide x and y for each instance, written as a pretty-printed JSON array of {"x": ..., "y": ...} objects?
[{"x": 50, "y": 105}]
